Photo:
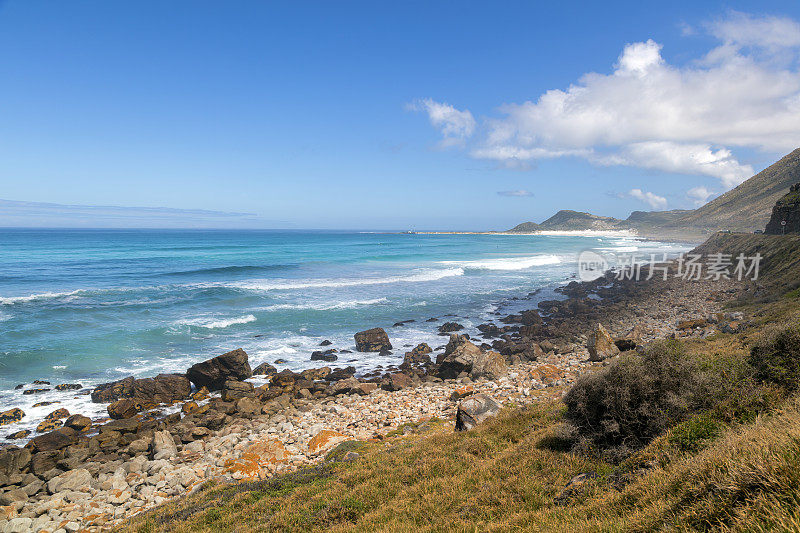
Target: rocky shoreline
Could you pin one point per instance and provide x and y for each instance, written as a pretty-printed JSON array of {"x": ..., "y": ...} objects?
[{"x": 171, "y": 433}]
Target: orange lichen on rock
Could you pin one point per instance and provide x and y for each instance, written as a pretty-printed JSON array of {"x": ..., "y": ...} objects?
[
  {"x": 260, "y": 456},
  {"x": 324, "y": 441}
]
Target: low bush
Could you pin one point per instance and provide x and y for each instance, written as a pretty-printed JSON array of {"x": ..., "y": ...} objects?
[
  {"x": 636, "y": 398},
  {"x": 776, "y": 358}
]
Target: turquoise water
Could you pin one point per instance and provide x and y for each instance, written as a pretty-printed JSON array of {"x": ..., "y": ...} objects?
[{"x": 94, "y": 305}]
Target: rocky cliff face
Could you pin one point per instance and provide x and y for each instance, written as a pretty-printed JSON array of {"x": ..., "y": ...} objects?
[{"x": 787, "y": 209}]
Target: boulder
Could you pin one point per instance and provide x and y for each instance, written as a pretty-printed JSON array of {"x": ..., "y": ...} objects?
[
  {"x": 11, "y": 416},
  {"x": 324, "y": 441},
  {"x": 248, "y": 406},
  {"x": 21, "y": 434},
  {"x": 327, "y": 355},
  {"x": 215, "y": 372},
  {"x": 163, "y": 445},
  {"x": 458, "y": 357},
  {"x": 489, "y": 365},
  {"x": 630, "y": 340},
  {"x": 236, "y": 390},
  {"x": 201, "y": 394},
  {"x": 48, "y": 425},
  {"x": 396, "y": 381},
  {"x": 347, "y": 386},
  {"x": 125, "y": 408},
  {"x": 13, "y": 460},
  {"x": 74, "y": 480},
  {"x": 313, "y": 374},
  {"x": 264, "y": 369},
  {"x": 164, "y": 388},
  {"x": 78, "y": 422},
  {"x": 372, "y": 340},
  {"x": 600, "y": 344},
  {"x": 450, "y": 327},
  {"x": 54, "y": 440},
  {"x": 474, "y": 411},
  {"x": 412, "y": 359}
]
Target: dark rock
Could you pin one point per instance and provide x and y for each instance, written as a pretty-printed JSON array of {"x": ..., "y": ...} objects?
[
  {"x": 327, "y": 355},
  {"x": 450, "y": 327},
  {"x": 21, "y": 434},
  {"x": 313, "y": 374},
  {"x": 786, "y": 210},
  {"x": 42, "y": 462},
  {"x": 125, "y": 408},
  {"x": 214, "y": 372},
  {"x": 236, "y": 390},
  {"x": 13, "y": 460},
  {"x": 264, "y": 369},
  {"x": 284, "y": 379},
  {"x": 341, "y": 373},
  {"x": 164, "y": 388},
  {"x": 78, "y": 422},
  {"x": 397, "y": 381},
  {"x": 69, "y": 386},
  {"x": 40, "y": 382},
  {"x": 54, "y": 440},
  {"x": 474, "y": 411},
  {"x": 11, "y": 416},
  {"x": 412, "y": 359},
  {"x": 34, "y": 391},
  {"x": 58, "y": 414},
  {"x": 326, "y": 342},
  {"x": 18, "y": 387},
  {"x": 48, "y": 425},
  {"x": 372, "y": 340},
  {"x": 125, "y": 425}
]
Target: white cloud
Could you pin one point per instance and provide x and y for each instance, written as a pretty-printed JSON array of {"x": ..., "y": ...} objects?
[
  {"x": 519, "y": 193},
  {"x": 653, "y": 200},
  {"x": 699, "y": 195},
  {"x": 648, "y": 113},
  {"x": 742, "y": 29},
  {"x": 454, "y": 125}
]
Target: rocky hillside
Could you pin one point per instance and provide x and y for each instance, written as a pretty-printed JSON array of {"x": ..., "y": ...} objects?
[
  {"x": 786, "y": 214},
  {"x": 745, "y": 208}
]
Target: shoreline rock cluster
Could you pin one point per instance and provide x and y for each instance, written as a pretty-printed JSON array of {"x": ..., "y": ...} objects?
[{"x": 170, "y": 433}]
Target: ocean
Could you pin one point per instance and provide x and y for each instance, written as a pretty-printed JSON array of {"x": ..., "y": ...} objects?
[{"x": 91, "y": 306}]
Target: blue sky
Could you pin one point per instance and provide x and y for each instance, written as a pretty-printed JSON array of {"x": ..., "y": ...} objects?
[{"x": 386, "y": 115}]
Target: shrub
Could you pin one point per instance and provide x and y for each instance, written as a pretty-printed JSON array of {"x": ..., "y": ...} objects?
[
  {"x": 637, "y": 397},
  {"x": 776, "y": 358}
]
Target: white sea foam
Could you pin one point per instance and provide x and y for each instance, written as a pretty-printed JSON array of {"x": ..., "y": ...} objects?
[
  {"x": 284, "y": 284},
  {"x": 205, "y": 322},
  {"x": 507, "y": 263},
  {"x": 329, "y": 306},
  {"x": 11, "y": 300}
]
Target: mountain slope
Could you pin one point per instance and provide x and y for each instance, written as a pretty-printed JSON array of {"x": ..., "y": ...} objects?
[{"x": 748, "y": 206}]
